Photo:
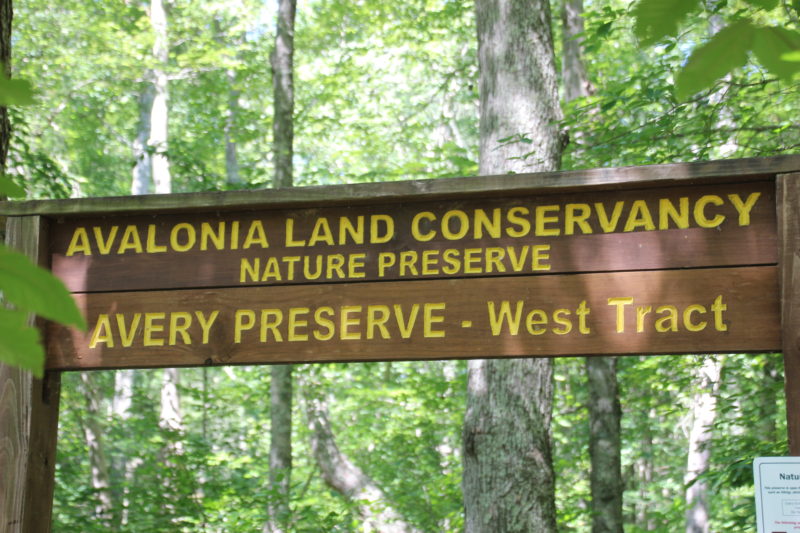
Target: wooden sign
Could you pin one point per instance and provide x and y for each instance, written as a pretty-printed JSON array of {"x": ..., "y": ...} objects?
[{"x": 680, "y": 259}]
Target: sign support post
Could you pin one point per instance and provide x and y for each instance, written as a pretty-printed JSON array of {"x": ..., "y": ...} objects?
[
  {"x": 788, "y": 200},
  {"x": 28, "y": 418}
]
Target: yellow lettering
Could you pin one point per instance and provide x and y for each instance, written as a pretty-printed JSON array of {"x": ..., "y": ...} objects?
[
  {"x": 335, "y": 264},
  {"x": 356, "y": 232},
  {"x": 571, "y": 218},
  {"x": 639, "y": 217},
  {"x": 700, "y": 214},
  {"x": 518, "y": 217},
  {"x": 408, "y": 261},
  {"x": 641, "y": 312},
  {"x": 295, "y": 322},
  {"x": 321, "y": 233},
  {"x": 151, "y": 246},
  {"x": 669, "y": 322},
  {"x": 609, "y": 224},
  {"x": 744, "y": 208},
  {"x": 290, "y": 242},
  {"x": 620, "y": 303},
  {"x": 535, "y": 319},
  {"x": 346, "y": 321},
  {"x": 206, "y": 323},
  {"x": 150, "y": 327},
  {"x": 560, "y": 318},
  {"x": 471, "y": 260},
  {"x": 377, "y": 316},
  {"x": 717, "y": 308},
  {"x": 102, "y": 332},
  {"x": 429, "y": 319},
  {"x": 496, "y": 319},
  {"x": 104, "y": 245},
  {"x": 248, "y": 269},
  {"x": 687, "y": 318},
  {"x": 542, "y": 218},
  {"x": 582, "y": 311},
  {"x": 386, "y": 260},
  {"x": 256, "y": 235},
  {"x": 267, "y": 325},
  {"x": 463, "y": 225},
  {"x": 540, "y": 252},
  {"x": 326, "y": 323},
  {"x": 415, "y": 229},
  {"x": 130, "y": 241},
  {"x": 430, "y": 259},
  {"x": 126, "y": 335},
  {"x": 375, "y": 236},
  {"x": 207, "y": 234},
  {"x": 667, "y": 211},
  {"x": 179, "y": 322},
  {"x": 406, "y": 324},
  {"x": 482, "y": 222},
  {"x": 191, "y": 237},
  {"x": 243, "y": 319},
  {"x": 79, "y": 243}
]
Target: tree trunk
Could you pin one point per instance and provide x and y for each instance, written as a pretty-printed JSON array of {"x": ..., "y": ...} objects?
[
  {"x": 143, "y": 166},
  {"x": 125, "y": 466},
  {"x": 704, "y": 411},
  {"x": 573, "y": 71},
  {"x": 282, "y": 62},
  {"x": 98, "y": 462},
  {"x": 605, "y": 445},
  {"x": 508, "y": 472},
  {"x": 231, "y": 156},
  {"x": 280, "y": 449},
  {"x": 342, "y": 475},
  {"x": 170, "y": 418},
  {"x": 280, "y": 452},
  {"x": 6, "y": 19},
  {"x": 159, "y": 111}
]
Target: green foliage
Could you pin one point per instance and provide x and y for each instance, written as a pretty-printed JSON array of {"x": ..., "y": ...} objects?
[
  {"x": 751, "y": 29},
  {"x": 29, "y": 288}
]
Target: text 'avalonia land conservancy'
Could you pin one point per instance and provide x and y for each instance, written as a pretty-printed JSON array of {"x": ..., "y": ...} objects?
[{"x": 492, "y": 237}]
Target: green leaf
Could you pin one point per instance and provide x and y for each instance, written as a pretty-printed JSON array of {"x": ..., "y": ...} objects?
[
  {"x": 20, "y": 343},
  {"x": 31, "y": 288},
  {"x": 722, "y": 53},
  {"x": 763, "y": 4},
  {"x": 656, "y": 19},
  {"x": 15, "y": 92},
  {"x": 775, "y": 48},
  {"x": 10, "y": 189}
]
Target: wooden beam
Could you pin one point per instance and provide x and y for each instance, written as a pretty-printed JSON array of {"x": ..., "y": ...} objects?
[
  {"x": 731, "y": 170},
  {"x": 28, "y": 421},
  {"x": 788, "y": 203}
]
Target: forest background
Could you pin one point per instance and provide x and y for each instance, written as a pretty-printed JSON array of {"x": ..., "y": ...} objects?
[{"x": 383, "y": 91}]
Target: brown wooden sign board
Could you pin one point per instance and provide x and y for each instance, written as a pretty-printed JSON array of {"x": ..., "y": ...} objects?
[{"x": 683, "y": 258}]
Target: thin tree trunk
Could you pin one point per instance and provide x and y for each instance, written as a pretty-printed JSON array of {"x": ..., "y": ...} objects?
[
  {"x": 601, "y": 372},
  {"x": 508, "y": 472},
  {"x": 231, "y": 155},
  {"x": 704, "y": 411},
  {"x": 280, "y": 452},
  {"x": 159, "y": 114},
  {"x": 125, "y": 466},
  {"x": 170, "y": 417},
  {"x": 98, "y": 462},
  {"x": 280, "y": 449},
  {"x": 282, "y": 62},
  {"x": 605, "y": 445},
  {"x": 342, "y": 475},
  {"x": 143, "y": 166},
  {"x": 6, "y": 19}
]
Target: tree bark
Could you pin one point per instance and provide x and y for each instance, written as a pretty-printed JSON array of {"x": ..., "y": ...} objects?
[
  {"x": 231, "y": 155},
  {"x": 280, "y": 453},
  {"x": 508, "y": 472},
  {"x": 93, "y": 432},
  {"x": 704, "y": 411},
  {"x": 159, "y": 111},
  {"x": 282, "y": 62},
  {"x": 6, "y": 19},
  {"x": 143, "y": 166},
  {"x": 605, "y": 445},
  {"x": 573, "y": 71},
  {"x": 342, "y": 475},
  {"x": 124, "y": 466},
  {"x": 280, "y": 449}
]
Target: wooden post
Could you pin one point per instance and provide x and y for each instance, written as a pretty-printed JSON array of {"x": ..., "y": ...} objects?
[
  {"x": 788, "y": 200},
  {"x": 28, "y": 420}
]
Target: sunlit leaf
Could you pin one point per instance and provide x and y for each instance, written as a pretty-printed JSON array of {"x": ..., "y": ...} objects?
[
  {"x": 10, "y": 189},
  {"x": 31, "y": 288},
  {"x": 722, "y": 53},
  {"x": 15, "y": 92},
  {"x": 763, "y": 4},
  {"x": 20, "y": 343},
  {"x": 656, "y": 19},
  {"x": 775, "y": 48}
]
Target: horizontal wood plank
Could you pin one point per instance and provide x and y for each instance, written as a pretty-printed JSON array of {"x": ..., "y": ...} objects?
[
  {"x": 652, "y": 229},
  {"x": 660, "y": 312},
  {"x": 642, "y": 176}
]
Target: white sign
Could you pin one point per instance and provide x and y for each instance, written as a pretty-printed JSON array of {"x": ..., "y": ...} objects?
[{"x": 777, "y": 484}]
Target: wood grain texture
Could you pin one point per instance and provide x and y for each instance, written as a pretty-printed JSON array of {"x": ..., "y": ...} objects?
[
  {"x": 653, "y": 175},
  {"x": 563, "y": 241},
  {"x": 459, "y": 316},
  {"x": 28, "y": 422},
  {"x": 788, "y": 196}
]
